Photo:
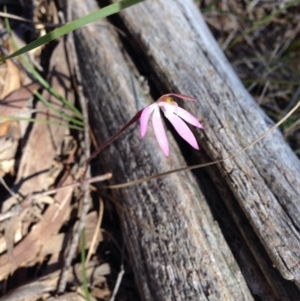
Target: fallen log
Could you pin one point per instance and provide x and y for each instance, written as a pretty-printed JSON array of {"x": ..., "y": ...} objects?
[
  {"x": 265, "y": 178},
  {"x": 176, "y": 249}
]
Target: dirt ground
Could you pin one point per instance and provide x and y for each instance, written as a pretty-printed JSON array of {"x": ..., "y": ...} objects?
[{"x": 261, "y": 39}]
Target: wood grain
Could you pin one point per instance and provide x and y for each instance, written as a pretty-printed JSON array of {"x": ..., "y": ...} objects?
[
  {"x": 176, "y": 249},
  {"x": 184, "y": 57}
]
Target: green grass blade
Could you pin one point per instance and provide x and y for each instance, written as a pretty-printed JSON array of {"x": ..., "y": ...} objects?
[
  {"x": 41, "y": 80},
  {"x": 96, "y": 15},
  {"x": 34, "y": 120},
  {"x": 47, "y": 86},
  {"x": 84, "y": 277},
  {"x": 57, "y": 111}
]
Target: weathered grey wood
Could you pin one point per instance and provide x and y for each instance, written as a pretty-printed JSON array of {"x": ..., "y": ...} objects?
[
  {"x": 264, "y": 179},
  {"x": 264, "y": 281},
  {"x": 176, "y": 249}
]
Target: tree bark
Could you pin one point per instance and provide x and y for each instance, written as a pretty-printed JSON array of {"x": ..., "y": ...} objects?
[{"x": 176, "y": 248}]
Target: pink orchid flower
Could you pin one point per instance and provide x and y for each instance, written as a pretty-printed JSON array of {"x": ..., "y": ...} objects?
[{"x": 175, "y": 115}]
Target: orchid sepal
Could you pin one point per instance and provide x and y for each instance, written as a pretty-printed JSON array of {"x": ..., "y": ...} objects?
[{"x": 176, "y": 115}]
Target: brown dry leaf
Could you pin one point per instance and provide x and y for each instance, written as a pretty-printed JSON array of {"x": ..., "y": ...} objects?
[
  {"x": 100, "y": 293},
  {"x": 34, "y": 290},
  {"x": 6, "y": 167},
  {"x": 16, "y": 104},
  {"x": 27, "y": 252},
  {"x": 57, "y": 243},
  {"x": 66, "y": 297},
  {"x": 12, "y": 79},
  {"x": 11, "y": 75},
  {"x": 44, "y": 142},
  {"x": 4, "y": 127},
  {"x": 12, "y": 226},
  {"x": 8, "y": 147}
]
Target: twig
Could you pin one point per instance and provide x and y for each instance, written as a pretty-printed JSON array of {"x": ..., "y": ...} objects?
[
  {"x": 132, "y": 183},
  {"x": 15, "y": 17},
  {"x": 110, "y": 140},
  {"x": 7, "y": 188},
  {"x": 119, "y": 279},
  {"x": 95, "y": 179},
  {"x": 84, "y": 186},
  {"x": 94, "y": 240},
  {"x": 9, "y": 214}
]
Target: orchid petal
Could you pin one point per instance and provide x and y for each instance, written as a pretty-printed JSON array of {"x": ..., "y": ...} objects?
[
  {"x": 159, "y": 131},
  {"x": 183, "y": 130},
  {"x": 188, "y": 117},
  {"x": 168, "y": 109},
  {"x": 144, "y": 119}
]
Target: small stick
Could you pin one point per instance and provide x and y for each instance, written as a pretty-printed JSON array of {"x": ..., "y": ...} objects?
[
  {"x": 110, "y": 140},
  {"x": 84, "y": 186},
  {"x": 7, "y": 188},
  {"x": 131, "y": 183},
  {"x": 118, "y": 283},
  {"x": 97, "y": 230},
  {"x": 95, "y": 179}
]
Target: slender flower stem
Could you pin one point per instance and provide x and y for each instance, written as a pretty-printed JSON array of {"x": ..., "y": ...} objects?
[
  {"x": 176, "y": 115},
  {"x": 110, "y": 140}
]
